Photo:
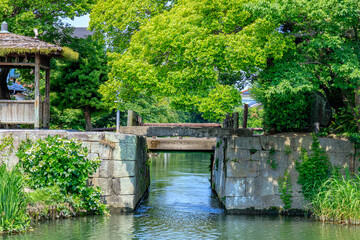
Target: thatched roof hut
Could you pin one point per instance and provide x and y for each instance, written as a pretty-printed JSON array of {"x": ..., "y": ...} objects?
[
  {"x": 11, "y": 43},
  {"x": 18, "y": 51}
]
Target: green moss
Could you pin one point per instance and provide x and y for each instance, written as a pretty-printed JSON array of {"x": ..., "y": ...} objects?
[{"x": 66, "y": 52}]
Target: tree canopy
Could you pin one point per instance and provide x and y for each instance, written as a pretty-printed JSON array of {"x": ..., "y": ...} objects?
[
  {"x": 188, "y": 51},
  {"x": 325, "y": 58},
  {"x": 45, "y": 15},
  {"x": 196, "y": 52}
]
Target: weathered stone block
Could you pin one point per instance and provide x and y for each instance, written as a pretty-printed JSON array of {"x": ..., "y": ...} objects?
[
  {"x": 114, "y": 137},
  {"x": 281, "y": 161},
  {"x": 87, "y": 136},
  {"x": 121, "y": 202},
  {"x": 271, "y": 201},
  {"x": 128, "y": 148},
  {"x": 127, "y": 185},
  {"x": 116, "y": 186},
  {"x": 299, "y": 203},
  {"x": 243, "y": 203},
  {"x": 42, "y": 134},
  {"x": 242, "y": 169},
  {"x": 103, "y": 183},
  {"x": 106, "y": 169},
  {"x": 105, "y": 152},
  {"x": 336, "y": 145},
  {"x": 235, "y": 187},
  {"x": 237, "y": 154},
  {"x": 246, "y": 143},
  {"x": 341, "y": 159},
  {"x": 260, "y": 186},
  {"x": 255, "y": 155},
  {"x": 123, "y": 169},
  {"x": 276, "y": 143},
  {"x": 303, "y": 142}
]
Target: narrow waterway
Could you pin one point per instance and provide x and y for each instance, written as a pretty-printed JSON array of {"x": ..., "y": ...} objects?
[{"x": 181, "y": 205}]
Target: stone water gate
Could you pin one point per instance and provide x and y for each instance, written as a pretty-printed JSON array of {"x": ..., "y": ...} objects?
[{"x": 241, "y": 175}]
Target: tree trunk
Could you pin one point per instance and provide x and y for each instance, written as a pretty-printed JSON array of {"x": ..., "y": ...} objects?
[
  {"x": 4, "y": 90},
  {"x": 87, "y": 113}
]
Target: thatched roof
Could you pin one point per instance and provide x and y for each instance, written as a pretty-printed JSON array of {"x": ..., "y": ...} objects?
[{"x": 11, "y": 43}]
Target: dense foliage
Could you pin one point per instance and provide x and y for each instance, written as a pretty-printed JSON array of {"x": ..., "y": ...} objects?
[
  {"x": 286, "y": 107},
  {"x": 324, "y": 56},
  {"x": 13, "y": 217},
  {"x": 62, "y": 162},
  {"x": 76, "y": 84},
  {"x": 195, "y": 50},
  {"x": 314, "y": 169}
]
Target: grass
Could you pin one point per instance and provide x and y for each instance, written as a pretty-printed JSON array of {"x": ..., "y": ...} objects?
[
  {"x": 338, "y": 201},
  {"x": 13, "y": 201},
  {"x": 47, "y": 196}
]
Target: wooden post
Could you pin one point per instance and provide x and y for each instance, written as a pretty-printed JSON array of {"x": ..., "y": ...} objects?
[
  {"x": 133, "y": 119},
  {"x": 46, "y": 117},
  {"x": 130, "y": 118},
  {"x": 245, "y": 117},
  {"x": 37, "y": 92},
  {"x": 235, "y": 117}
]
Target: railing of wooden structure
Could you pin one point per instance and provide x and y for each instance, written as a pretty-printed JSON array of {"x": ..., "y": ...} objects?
[
  {"x": 231, "y": 122},
  {"x": 21, "y": 112},
  {"x": 18, "y": 112}
]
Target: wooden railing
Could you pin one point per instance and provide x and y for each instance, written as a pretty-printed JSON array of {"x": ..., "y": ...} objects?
[{"x": 19, "y": 111}]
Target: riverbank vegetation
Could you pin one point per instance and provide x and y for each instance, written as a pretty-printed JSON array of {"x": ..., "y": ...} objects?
[
  {"x": 332, "y": 197},
  {"x": 54, "y": 172},
  {"x": 62, "y": 162},
  {"x": 338, "y": 200},
  {"x": 13, "y": 201}
]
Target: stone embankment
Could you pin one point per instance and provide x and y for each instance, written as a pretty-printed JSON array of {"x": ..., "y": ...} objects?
[
  {"x": 244, "y": 179},
  {"x": 123, "y": 174}
]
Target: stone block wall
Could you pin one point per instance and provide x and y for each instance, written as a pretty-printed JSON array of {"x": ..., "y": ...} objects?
[
  {"x": 123, "y": 174},
  {"x": 245, "y": 181}
]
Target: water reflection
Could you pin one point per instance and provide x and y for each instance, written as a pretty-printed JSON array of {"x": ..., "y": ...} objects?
[{"x": 181, "y": 205}]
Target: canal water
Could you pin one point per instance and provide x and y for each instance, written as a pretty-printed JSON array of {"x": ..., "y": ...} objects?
[{"x": 181, "y": 205}]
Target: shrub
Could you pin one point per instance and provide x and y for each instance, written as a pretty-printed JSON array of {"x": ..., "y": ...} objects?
[
  {"x": 13, "y": 217},
  {"x": 62, "y": 162},
  {"x": 286, "y": 106},
  {"x": 314, "y": 169}
]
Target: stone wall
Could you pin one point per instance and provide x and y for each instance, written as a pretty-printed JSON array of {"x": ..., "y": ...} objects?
[
  {"x": 123, "y": 174},
  {"x": 246, "y": 183}
]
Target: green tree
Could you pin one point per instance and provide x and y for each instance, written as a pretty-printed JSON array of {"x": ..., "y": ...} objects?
[
  {"x": 45, "y": 15},
  {"x": 187, "y": 52},
  {"x": 76, "y": 84},
  {"x": 325, "y": 58}
]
